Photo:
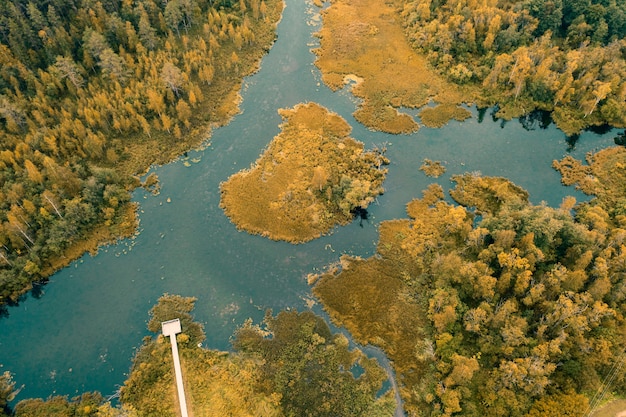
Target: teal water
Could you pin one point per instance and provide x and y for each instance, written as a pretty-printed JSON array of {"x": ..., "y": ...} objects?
[{"x": 81, "y": 333}]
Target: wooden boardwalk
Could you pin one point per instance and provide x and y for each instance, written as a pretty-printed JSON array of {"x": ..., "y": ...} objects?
[{"x": 171, "y": 328}]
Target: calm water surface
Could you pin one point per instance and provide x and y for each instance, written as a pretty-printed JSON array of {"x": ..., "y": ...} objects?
[{"x": 81, "y": 333}]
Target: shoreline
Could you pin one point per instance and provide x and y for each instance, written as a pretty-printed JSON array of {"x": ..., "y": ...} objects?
[{"x": 143, "y": 153}]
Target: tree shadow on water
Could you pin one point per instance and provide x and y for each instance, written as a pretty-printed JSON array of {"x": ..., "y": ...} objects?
[
  {"x": 494, "y": 112},
  {"x": 481, "y": 114},
  {"x": 598, "y": 130},
  {"x": 571, "y": 141},
  {"x": 361, "y": 214},
  {"x": 536, "y": 119},
  {"x": 36, "y": 292},
  {"x": 494, "y": 116}
]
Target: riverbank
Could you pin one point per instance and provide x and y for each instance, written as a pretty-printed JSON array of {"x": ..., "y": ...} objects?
[{"x": 168, "y": 89}]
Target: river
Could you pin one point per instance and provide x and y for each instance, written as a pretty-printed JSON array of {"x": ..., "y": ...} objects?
[{"x": 79, "y": 332}]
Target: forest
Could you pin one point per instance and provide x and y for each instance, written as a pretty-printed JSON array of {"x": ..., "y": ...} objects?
[
  {"x": 94, "y": 92},
  {"x": 495, "y": 306},
  {"x": 491, "y": 306},
  {"x": 563, "y": 56}
]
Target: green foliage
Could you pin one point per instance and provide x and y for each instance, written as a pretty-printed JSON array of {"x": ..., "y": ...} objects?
[{"x": 311, "y": 368}]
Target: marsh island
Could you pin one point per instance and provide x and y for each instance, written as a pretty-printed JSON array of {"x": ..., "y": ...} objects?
[{"x": 311, "y": 177}]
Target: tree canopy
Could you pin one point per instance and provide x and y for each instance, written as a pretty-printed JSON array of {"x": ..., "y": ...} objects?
[
  {"x": 564, "y": 56},
  {"x": 516, "y": 310},
  {"x": 94, "y": 92}
]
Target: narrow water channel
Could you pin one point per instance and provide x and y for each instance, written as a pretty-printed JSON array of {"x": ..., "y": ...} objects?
[{"x": 80, "y": 332}]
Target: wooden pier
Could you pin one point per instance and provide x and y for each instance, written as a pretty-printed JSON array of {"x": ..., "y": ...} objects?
[{"x": 171, "y": 328}]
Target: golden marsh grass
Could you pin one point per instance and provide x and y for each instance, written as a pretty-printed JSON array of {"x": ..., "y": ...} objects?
[
  {"x": 433, "y": 169},
  {"x": 365, "y": 38},
  {"x": 375, "y": 299},
  {"x": 309, "y": 179},
  {"x": 603, "y": 176}
]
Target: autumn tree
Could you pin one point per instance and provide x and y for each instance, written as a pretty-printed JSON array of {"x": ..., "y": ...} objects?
[
  {"x": 66, "y": 68},
  {"x": 172, "y": 77},
  {"x": 80, "y": 83}
]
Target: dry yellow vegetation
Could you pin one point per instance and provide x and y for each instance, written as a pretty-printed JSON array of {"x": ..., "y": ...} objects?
[
  {"x": 604, "y": 176},
  {"x": 440, "y": 115},
  {"x": 365, "y": 38},
  {"x": 616, "y": 408},
  {"x": 433, "y": 169},
  {"x": 311, "y": 178}
]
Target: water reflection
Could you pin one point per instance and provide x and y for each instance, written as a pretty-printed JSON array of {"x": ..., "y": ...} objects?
[
  {"x": 536, "y": 119},
  {"x": 80, "y": 333},
  {"x": 571, "y": 141}
]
